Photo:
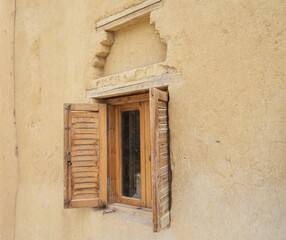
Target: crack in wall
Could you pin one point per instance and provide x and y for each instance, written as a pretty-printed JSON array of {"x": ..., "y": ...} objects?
[{"x": 15, "y": 121}]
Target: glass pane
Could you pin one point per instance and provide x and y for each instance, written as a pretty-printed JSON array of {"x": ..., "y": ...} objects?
[{"x": 131, "y": 168}]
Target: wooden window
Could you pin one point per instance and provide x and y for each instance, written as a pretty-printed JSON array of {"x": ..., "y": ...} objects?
[{"x": 118, "y": 152}]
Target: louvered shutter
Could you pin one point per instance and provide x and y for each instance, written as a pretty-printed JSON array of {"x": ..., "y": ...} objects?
[
  {"x": 161, "y": 173},
  {"x": 85, "y": 151}
]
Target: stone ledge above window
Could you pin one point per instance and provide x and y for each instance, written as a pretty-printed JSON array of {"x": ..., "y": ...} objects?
[{"x": 134, "y": 81}]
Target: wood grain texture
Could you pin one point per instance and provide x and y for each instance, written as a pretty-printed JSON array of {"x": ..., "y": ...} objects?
[
  {"x": 85, "y": 161},
  {"x": 161, "y": 174}
]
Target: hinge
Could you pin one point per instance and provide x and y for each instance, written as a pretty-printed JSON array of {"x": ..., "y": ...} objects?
[
  {"x": 68, "y": 158},
  {"x": 68, "y": 107},
  {"x": 108, "y": 184},
  {"x": 67, "y": 128}
]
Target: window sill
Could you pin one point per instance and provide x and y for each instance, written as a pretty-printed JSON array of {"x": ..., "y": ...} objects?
[{"x": 127, "y": 213}]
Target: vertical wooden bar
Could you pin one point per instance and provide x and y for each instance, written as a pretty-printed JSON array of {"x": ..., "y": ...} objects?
[
  {"x": 160, "y": 158},
  {"x": 111, "y": 154},
  {"x": 103, "y": 153},
  {"x": 143, "y": 155},
  {"x": 66, "y": 139},
  {"x": 148, "y": 156},
  {"x": 154, "y": 158}
]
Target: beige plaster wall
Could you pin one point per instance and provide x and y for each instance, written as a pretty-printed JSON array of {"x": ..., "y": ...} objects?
[
  {"x": 227, "y": 117},
  {"x": 135, "y": 46},
  {"x": 8, "y": 144}
]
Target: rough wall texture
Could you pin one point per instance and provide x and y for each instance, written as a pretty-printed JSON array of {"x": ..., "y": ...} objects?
[
  {"x": 227, "y": 118},
  {"x": 8, "y": 158},
  {"x": 135, "y": 46}
]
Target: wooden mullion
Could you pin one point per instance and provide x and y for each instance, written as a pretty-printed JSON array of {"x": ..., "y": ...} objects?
[
  {"x": 142, "y": 154},
  {"x": 103, "y": 153},
  {"x": 148, "y": 153}
]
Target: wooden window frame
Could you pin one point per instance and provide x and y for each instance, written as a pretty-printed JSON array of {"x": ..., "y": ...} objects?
[
  {"x": 116, "y": 106},
  {"x": 156, "y": 129}
]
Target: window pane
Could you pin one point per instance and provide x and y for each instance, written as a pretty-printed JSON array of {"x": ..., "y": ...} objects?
[{"x": 131, "y": 168}]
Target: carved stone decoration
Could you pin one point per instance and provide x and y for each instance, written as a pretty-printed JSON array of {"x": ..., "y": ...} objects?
[{"x": 102, "y": 49}]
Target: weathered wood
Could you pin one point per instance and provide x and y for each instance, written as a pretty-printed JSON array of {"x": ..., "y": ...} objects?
[
  {"x": 66, "y": 147},
  {"x": 85, "y": 185},
  {"x": 84, "y": 107},
  {"x": 85, "y": 125},
  {"x": 128, "y": 99},
  {"x": 160, "y": 158},
  {"x": 84, "y": 180},
  {"x": 85, "y": 174},
  {"x": 85, "y": 136},
  {"x": 85, "y": 164},
  {"x": 103, "y": 153},
  {"x": 111, "y": 154},
  {"x": 84, "y": 120},
  {"x": 85, "y": 203},
  {"x": 83, "y": 141},
  {"x": 84, "y": 153},
  {"x": 83, "y": 147},
  {"x": 86, "y": 196},
  {"x": 84, "y": 169},
  {"x": 85, "y": 158},
  {"x": 85, "y": 191},
  {"x": 84, "y": 115}
]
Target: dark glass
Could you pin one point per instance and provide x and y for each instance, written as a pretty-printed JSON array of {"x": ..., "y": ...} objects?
[{"x": 130, "y": 145}]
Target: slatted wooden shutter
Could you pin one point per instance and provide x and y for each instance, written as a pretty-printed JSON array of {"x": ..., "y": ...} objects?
[
  {"x": 85, "y": 151},
  {"x": 161, "y": 174}
]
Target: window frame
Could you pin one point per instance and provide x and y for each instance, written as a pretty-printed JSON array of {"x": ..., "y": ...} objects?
[
  {"x": 116, "y": 106},
  {"x": 159, "y": 149}
]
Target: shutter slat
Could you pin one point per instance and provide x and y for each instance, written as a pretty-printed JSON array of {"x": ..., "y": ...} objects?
[
  {"x": 84, "y": 169},
  {"x": 85, "y": 174},
  {"x": 86, "y": 152},
  {"x": 85, "y": 141},
  {"x": 85, "y": 158},
  {"x": 85, "y": 131},
  {"x": 85, "y": 191},
  {"x": 85, "y": 125},
  {"x": 86, "y": 196},
  {"x": 84, "y": 120},
  {"x": 85, "y": 164},
  {"x": 85, "y": 185},
  {"x": 85, "y": 136},
  {"x": 161, "y": 176},
  {"x": 83, "y": 147},
  {"x": 83, "y": 115}
]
